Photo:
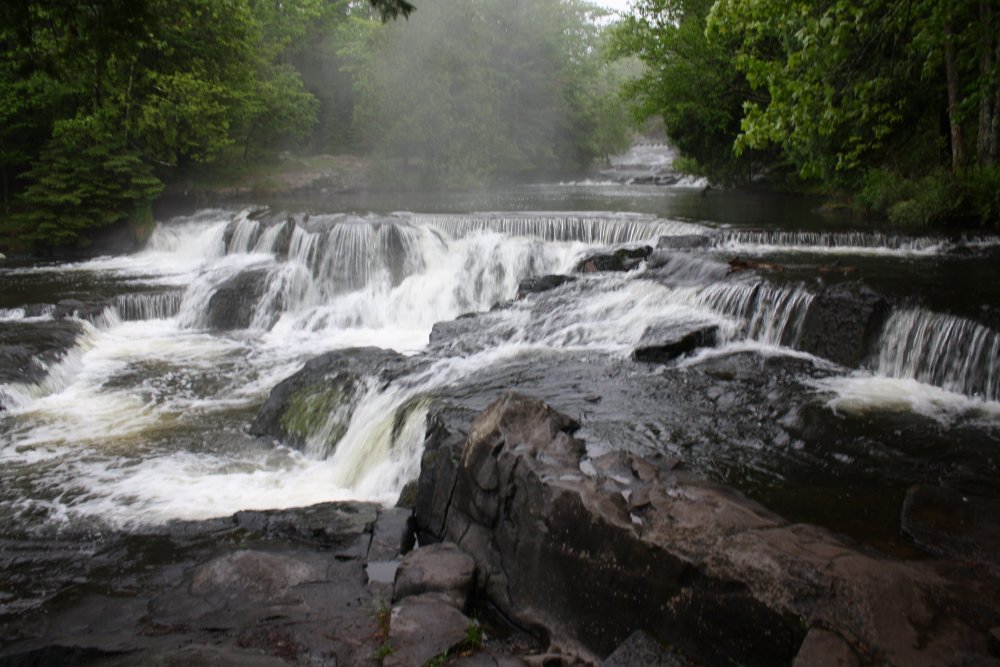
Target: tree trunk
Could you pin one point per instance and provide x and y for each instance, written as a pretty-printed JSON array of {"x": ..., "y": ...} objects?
[
  {"x": 954, "y": 107},
  {"x": 986, "y": 138}
]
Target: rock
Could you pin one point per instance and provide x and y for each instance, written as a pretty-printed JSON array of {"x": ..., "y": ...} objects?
[
  {"x": 233, "y": 304},
  {"x": 542, "y": 284},
  {"x": 323, "y": 395},
  {"x": 28, "y": 349},
  {"x": 436, "y": 568},
  {"x": 198, "y": 655},
  {"x": 625, "y": 259},
  {"x": 950, "y": 523},
  {"x": 842, "y": 323},
  {"x": 685, "y": 242},
  {"x": 422, "y": 627},
  {"x": 393, "y": 535},
  {"x": 489, "y": 660},
  {"x": 325, "y": 525},
  {"x": 641, "y": 649},
  {"x": 823, "y": 648},
  {"x": 697, "y": 565},
  {"x": 664, "y": 344},
  {"x": 995, "y": 641}
]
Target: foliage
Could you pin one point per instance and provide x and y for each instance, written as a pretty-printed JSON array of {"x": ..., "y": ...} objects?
[{"x": 837, "y": 91}]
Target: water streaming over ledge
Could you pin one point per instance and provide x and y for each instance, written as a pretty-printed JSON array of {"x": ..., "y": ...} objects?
[{"x": 953, "y": 353}]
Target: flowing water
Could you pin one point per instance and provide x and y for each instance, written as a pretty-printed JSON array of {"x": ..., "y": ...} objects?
[{"x": 131, "y": 381}]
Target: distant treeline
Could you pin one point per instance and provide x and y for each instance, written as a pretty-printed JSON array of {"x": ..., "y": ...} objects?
[
  {"x": 103, "y": 103},
  {"x": 895, "y": 103}
]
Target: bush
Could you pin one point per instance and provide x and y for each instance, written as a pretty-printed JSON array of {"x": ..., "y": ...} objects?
[{"x": 970, "y": 197}]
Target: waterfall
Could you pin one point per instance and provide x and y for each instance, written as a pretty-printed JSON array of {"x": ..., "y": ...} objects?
[
  {"x": 849, "y": 242},
  {"x": 148, "y": 306},
  {"x": 563, "y": 227},
  {"x": 950, "y": 352},
  {"x": 771, "y": 315}
]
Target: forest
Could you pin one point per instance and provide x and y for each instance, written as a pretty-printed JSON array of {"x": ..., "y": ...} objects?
[
  {"x": 895, "y": 106},
  {"x": 892, "y": 108},
  {"x": 104, "y": 103}
]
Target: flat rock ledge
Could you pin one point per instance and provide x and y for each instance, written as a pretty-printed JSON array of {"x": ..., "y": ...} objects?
[{"x": 590, "y": 551}]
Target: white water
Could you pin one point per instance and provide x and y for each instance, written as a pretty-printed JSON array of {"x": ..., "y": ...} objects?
[{"x": 144, "y": 420}]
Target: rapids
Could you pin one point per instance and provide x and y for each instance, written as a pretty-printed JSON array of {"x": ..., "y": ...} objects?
[{"x": 138, "y": 413}]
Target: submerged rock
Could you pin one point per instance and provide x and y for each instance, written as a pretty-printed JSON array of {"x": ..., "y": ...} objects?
[
  {"x": 666, "y": 343},
  {"x": 951, "y": 523},
  {"x": 685, "y": 242}
]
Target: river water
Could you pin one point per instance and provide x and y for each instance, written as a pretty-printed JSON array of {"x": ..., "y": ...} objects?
[{"x": 126, "y": 402}]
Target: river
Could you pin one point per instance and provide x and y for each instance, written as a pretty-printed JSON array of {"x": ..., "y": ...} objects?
[{"x": 130, "y": 384}]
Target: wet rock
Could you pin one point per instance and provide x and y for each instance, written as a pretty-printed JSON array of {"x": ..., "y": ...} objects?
[
  {"x": 324, "y": 394},
  {"x": 697, "y": 565},
  {"x": 199, "y": 655},
  {"x": 842, "y": 323},
  {"x": 823, "y": 648},
  {"x": 950, "y": 523},
  {"x": 436, "y": 568},
  {"x": 393, "y": 535},
  {"x": 28, "y": 349},
  {"x": 422, "y": 627},
  {"x": 642, "y": 649},
  {"x": 625, "y": 259},
  {"x": 995, "y": 641},
  {"x": 662, "y": 344},
  {"x": 84, "y": 310},
  {"x": 685, "y": 242},
  {"x": 234, "y": 301},
  {"x": 542, "y": 284},
  {"x": 326, "y": 525}
]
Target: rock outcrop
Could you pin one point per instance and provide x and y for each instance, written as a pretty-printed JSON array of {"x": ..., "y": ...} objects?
[
  {"x": 233, "y": 304},
  {"x": 842, "y": 323},
  {"x": 592, "y": 550},
  {"x": 663, "y": 344}
]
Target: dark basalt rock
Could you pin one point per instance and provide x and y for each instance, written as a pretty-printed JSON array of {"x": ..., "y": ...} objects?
[
  {"x": 562, "y": 547},
  {"x": 843, "y": 322},
  {"x": 625, "y": 259},
  {"x": 436, "y": 568},
  {"x": 664, "y": 344},
  {"x": 423, "y": 627},
  {"x": 542, "y": 284},
  {"x": 232, "y": 305},
  {"x": 823, "y": 648},
  {"x": 950, "y": 523}
]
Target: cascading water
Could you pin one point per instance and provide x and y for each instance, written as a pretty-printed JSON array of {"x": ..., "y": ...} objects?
[{"x": 949, "y": 352}]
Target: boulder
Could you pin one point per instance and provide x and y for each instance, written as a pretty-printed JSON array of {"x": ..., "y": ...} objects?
[
  {"x": 625, "y": 259},
  {"x": 842, "y": 323},
  {"x": 323, "y": 395},
  {"x": 663, "y": 344},
  {"x": 422, "y": 627},
  {"x": 951, "y": 523},
  {"x": 560, "y": 546},
  {"x": 28, "y": 349},
  {"x": 233, "y": 304},
  {"x": 436, "y": 568},
  {"x": 542, "y": 284}
]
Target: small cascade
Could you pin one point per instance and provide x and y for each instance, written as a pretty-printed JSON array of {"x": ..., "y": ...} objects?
[
  {"x": 244, "y": 233},
  {"x": 356, "y": 253},
  {"x": 942, "y": 350},
  {"x": 562, "y": 227},
  {"x": 773, "y": 315},
  {"x": 148, "y": 306},
  {"x": 828, "y": 241}
]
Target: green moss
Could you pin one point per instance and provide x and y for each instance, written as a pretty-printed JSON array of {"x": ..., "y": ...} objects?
[{"x": 322, "y": 412}]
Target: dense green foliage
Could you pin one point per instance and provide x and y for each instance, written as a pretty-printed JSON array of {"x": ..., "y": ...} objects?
[
  {"x": 898, "y": 102},
  {"x": 104, "y": 103}
]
